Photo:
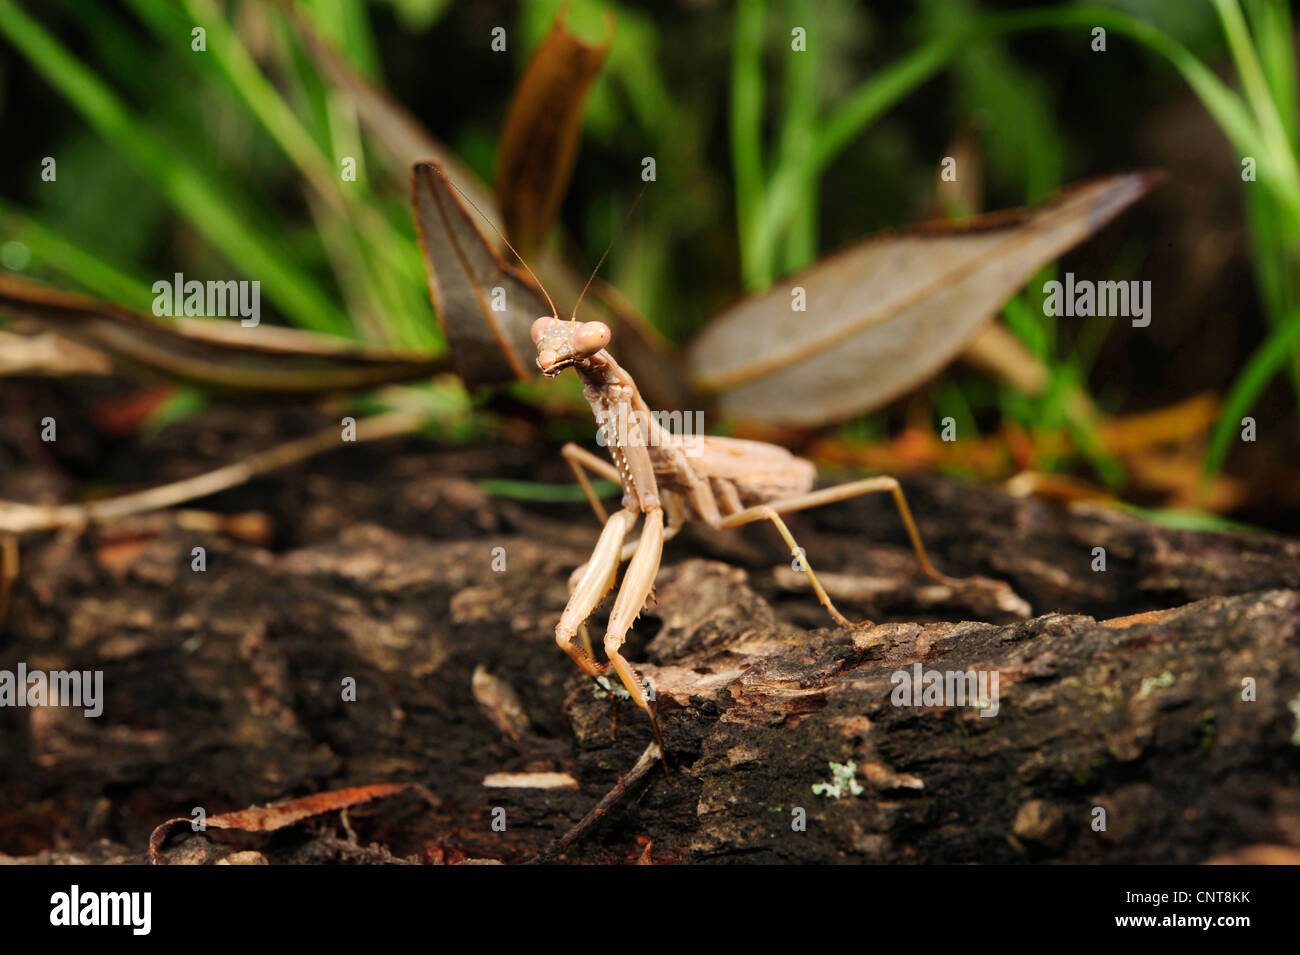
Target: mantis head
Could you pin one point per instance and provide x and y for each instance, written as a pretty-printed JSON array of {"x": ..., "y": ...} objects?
[{"x": 561, "y": 344}]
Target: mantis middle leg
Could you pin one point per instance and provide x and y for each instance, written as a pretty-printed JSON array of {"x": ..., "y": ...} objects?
[{"x": 581, "y": 460}]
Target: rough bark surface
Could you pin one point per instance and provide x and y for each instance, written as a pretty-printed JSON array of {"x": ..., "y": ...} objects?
[{"x": 223, "y": 689}]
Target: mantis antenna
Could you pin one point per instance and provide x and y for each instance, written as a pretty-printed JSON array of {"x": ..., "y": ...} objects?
[
  {"x": 554, "y": 311},
  {"x": 574, "y": 316}
]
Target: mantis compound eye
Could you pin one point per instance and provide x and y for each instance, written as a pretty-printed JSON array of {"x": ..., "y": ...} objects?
[
  {"x": 540, "y": 326},
  {"x": 590, "y": 337}
]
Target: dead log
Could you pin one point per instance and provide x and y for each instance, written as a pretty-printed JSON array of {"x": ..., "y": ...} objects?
[{"x": 227, "y": 688}]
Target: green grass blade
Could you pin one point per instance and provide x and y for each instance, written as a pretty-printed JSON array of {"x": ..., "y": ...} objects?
[
  {"x": 345, "y": 24},
  {"x": 747, "y": 130},
  {"x": 227, "y": 56},
  {"x": 1232, "y": 113},
  {"x": 1267, "y": 361},
  {"x": 1183, "y": 520},
  {"x": 798, "y": 129},
  {"x": 532, "y": 491},
  {"x": 885, "y": 89},
  {"x": 91, "y": 270},
  {"x": 789, "y": 182},
  {"x": 393, "y": 273},
  {"x": 190, "y": 192},
  {"x": 1271, "y": 20},
  {"x": 1256, "y": 86}
]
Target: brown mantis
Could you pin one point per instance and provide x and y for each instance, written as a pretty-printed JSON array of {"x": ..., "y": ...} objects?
[
  {"x": 669, "y": 479},
  {"x": 725, "y": 483}
]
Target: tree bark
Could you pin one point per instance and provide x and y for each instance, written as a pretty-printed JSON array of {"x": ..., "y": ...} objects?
[{"x": 1158, "y": 694}]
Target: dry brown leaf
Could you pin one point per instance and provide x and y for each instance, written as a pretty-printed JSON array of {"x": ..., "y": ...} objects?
[
  {"x": 865, "y": 350},
  {"x": 889, "y": 312},
  {"x": 467, "y": 277},
  {"x": 542, "y": 130},
  {"x": 49, "y": 354},
  {"x": 211, "y": 353},
  {"x": 405, "y": 141},
  {"x": 278, "y": 815},
  {"x": 994, "y": 349},
  {"x": 500, "y": 701}
]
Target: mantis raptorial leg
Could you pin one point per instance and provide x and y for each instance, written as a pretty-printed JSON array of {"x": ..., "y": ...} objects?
[
  {"x": 627, "y": 606},
  {"x": 581, "y": 460},
  {"x": 632, "y": 597},
  {"x": 593, "y": 583},
  {"x": 595, "y": 580}
]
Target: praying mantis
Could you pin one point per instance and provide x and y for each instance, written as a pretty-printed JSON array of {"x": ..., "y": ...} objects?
[
  {"x": 727, "y": 483},
  {"x": 718, "y": 481}
]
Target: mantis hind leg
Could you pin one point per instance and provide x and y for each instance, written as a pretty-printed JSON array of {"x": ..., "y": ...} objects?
[
  {"x": 769, "y": 512},
  {"x": 832, "y": 495}
]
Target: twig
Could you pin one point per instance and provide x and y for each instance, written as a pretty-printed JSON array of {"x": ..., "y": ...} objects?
[
  {"x": 624, "y": 785},
  {"x": 49, "y": 354},
  {"x": 8, "y": 570},
  {"x": 16, "y": 518}
]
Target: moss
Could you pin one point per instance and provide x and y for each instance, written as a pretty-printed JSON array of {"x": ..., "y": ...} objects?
[
  {"x": 843, "y": 781},
  {"x": 1152, "y": 683}
]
